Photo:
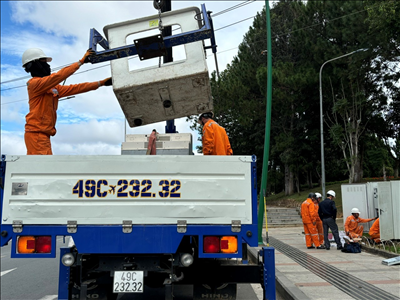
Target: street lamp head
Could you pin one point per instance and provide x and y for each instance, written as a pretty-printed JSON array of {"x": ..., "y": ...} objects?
[{"x": 363, "y": 49}]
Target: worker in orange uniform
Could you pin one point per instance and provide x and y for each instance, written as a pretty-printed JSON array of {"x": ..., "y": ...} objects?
[
  {"x": 319, "y": 226},
  {"x": 352, "y": 227},
  {"x": 44, "y": 92},
  {"x": 374, "y": 232},
  {"x": 215, "y": 140},
  {"x": 151, "y": 147},
  {"x": 308, "y": 215}
]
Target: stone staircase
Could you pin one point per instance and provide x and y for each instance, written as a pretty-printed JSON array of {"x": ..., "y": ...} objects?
[{"x": 283, "y": 217}]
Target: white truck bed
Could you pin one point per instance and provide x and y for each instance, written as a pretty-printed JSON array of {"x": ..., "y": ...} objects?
[{"x": 57, "y": 189}]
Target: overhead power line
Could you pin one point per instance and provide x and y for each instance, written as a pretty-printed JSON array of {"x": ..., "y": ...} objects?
[{"x": 232, "y": 8}]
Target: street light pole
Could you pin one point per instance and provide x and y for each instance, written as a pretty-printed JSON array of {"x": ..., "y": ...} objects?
[{"x": 322, "y": 118}]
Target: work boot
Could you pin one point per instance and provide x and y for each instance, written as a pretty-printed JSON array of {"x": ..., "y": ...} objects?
[
  {"x": 328, "y": 248},
  {"x": 312, "y": 247},
  {"x": 321, "y": 247}
]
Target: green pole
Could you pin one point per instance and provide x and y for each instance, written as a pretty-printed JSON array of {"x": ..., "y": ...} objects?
[{"x": 267, "y": 128}]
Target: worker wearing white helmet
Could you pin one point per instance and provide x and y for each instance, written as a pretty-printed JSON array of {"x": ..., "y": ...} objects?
[
  {"x": 318, "y": 224},
  {"x": 44, "y": 91},
  {"x": 327, "y": 212},
  {"x": 352, "y": 227}
]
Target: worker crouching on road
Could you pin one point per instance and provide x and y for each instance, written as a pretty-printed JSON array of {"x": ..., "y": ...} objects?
[
  {"x": 352, "y": 227},
  {"x": 308, "y": 215},
  {"x": 44, "y": 92},
  {"x": 319, "y": 226},
  {"x": 374, "y": 232},
  {"x": 215, "y": 140},
  {"x": 327, "y": 212}
]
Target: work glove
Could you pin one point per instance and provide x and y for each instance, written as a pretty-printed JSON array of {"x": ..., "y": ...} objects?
[
  {"x": 106, "y": 82},
  {"x": 314, "y": 223},
  {"x": 85, "y": 58}
]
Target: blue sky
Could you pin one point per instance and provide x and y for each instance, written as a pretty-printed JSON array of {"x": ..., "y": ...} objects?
[{"x": 90, "y": 123}]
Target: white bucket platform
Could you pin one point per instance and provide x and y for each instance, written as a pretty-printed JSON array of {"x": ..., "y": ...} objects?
[{"x": 174, "y": 90}]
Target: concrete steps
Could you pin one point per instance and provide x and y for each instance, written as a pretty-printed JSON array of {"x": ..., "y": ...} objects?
[{"x": 283, "y": 217}]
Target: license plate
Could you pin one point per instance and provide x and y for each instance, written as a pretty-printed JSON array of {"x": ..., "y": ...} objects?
[{"x": 128, "y": 282}]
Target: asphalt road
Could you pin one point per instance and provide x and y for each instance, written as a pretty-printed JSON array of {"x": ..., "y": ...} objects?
[{"x": 37, "y": 279}]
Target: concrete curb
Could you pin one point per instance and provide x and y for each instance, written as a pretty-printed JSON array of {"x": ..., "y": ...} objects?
[
  {"x": 283, "y": 285},
  {"x": 383, "y": 253}
]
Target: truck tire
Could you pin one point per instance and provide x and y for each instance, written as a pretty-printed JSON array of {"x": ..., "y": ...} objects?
[{"x": 214, "y": 292}]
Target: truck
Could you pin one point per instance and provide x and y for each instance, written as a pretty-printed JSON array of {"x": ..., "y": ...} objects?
[{"x": 138, "y": 222}]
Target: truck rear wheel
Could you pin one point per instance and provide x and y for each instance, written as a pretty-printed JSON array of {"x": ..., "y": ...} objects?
[{"x": 214, "y": 292}]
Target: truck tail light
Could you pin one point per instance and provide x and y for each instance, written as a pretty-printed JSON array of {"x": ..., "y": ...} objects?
[
  {"x": 43, "y": 244},
  {"x": 211, "y": 244},
  {"x": 32, "y": 244},
  {"x": 217, "y": 244},
  {"x": 229, "y": 244},
  {"x": 26, "y": 244}
]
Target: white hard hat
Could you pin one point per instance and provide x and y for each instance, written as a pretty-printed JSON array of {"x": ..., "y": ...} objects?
[
  {"x": 318, "y": 195},
  {"x": 331, "y": 193},
  {"x": 33, "y": 54},
  {"x": 355, "y": 210}
]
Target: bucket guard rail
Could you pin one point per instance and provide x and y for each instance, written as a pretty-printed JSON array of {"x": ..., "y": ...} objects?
[{"x": 153, "y": 46}]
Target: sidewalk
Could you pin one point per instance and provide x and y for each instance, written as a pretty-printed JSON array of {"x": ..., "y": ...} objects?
[{"x": 320, "y": 274}]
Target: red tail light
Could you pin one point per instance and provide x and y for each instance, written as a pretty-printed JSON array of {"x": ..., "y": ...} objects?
[
  {"x": 211, "y": 244},
  {"x": 34, "y": 244},
  {"x": 43, "y": 244}
]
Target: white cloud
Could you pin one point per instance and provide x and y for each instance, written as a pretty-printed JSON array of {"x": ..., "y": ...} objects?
[{"x": 12, "y": 143}]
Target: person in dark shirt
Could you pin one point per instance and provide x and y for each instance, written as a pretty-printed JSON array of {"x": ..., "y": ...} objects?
[{"x": 327, "y": 212}]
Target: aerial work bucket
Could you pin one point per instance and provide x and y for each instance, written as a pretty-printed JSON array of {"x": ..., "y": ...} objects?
[{"x": 159, "y": 93}]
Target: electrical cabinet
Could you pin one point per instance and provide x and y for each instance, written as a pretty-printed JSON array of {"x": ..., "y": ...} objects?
[
  {"x": 375, "y": 199},
  {"x": 395, "y": 189}
]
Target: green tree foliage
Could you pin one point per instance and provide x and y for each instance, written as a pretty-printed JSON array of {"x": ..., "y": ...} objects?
[{"x": 304, "y": 36}]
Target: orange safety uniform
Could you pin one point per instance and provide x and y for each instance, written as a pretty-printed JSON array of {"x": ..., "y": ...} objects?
[
  {"x": 152, "y": 143},
  {"x": 374, "y": 231},
  {"x": 44, "y": 93},
  {"x": 319, "y": 224},
  {"x": 308, "y": 215},
  {"x": 215, "y": 140},
  {"x": 353, "y": 228}
]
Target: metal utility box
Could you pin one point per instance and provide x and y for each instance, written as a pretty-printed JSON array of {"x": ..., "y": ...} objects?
[
  {"x": 389, "y": 209},
  {"x": 384, "y": 196},
  {"x": 166, "y": 144},
  {"x": 395, "y": 187},
  {"x": 375, "y": 199},
  {"x": 174, "y": 90}
]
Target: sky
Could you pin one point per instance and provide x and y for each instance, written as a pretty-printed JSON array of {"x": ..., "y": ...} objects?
[{"x": 92, "y": 123}]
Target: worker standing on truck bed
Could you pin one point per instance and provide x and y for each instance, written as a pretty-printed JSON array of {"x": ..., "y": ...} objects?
[
  {"x": 215, "y": 140},
  {"x": 151, "y": 147},
  {"x": 44, "y": 92}
]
